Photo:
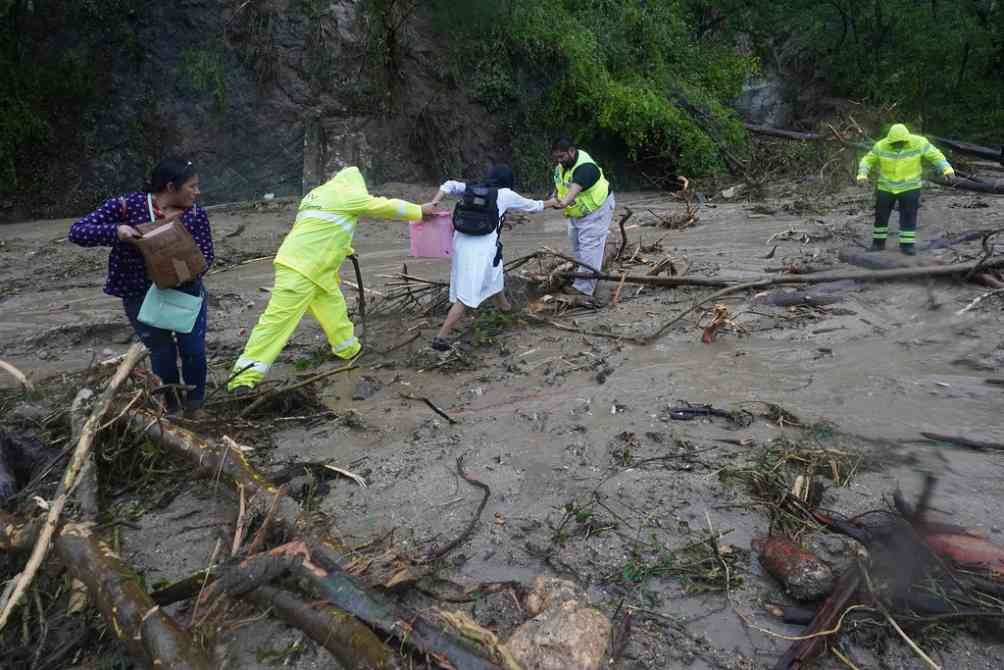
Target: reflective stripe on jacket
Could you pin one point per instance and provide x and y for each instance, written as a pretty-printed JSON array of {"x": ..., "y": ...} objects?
[
  {"x": 901, "y": 171},
  {"x": 321, "y": 238},
  {"x": 588, "y": 200}
]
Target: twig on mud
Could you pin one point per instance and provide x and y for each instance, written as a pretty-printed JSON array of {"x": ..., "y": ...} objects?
[
  {"x": 351, "y": 475},
  {"x": 384, "y": 352},
  {"x": 362, "y": 297},
  {"x": 292, "y": 387},
  {"x": 17, "y": 374},
  {"x": 470, "y": 526},
  {"x": 240, "y": 527},
  {"x": 978, "y": 300},
  {"x": 620, "y": 223},
  {"x": 892, "y": 622},
  {"x": 258, "y": 541},
  {"x": 582, "y": 331},
  {"x": 432, "y": 406}
]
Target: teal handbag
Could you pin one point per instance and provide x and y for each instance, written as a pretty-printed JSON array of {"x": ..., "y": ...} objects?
[{"x": 169, "y": 309}]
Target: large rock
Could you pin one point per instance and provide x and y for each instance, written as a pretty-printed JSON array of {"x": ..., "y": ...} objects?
[{"x": 565, "y": 633}]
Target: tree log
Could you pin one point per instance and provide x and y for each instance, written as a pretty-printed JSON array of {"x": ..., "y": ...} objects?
[
  {"x": 145, "y": 629},
  {"x": 330, "y": 627},
  {"x": 670, "y": 282},
  {"x": 970, "y": 149},
  {"x": 825, "y": 277},
  {"x": 995, "y": 187}
]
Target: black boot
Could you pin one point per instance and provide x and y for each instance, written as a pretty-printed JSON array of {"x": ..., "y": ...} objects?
[
  {"x": 908, "y": 249},
  {"x": 878, "y": 245}
]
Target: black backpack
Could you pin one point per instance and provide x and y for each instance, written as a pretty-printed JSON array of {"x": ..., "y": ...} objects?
[{"x": 478, "y": 212}]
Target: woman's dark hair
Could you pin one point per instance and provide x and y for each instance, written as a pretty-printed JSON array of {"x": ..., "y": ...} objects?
[
  {"x": 562, "y": 143},
  {"x": 500, "y": 176},
  {"x": 172, "y": 170}
]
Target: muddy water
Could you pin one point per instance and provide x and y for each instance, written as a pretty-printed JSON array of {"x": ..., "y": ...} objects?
[{"x": 543, "y": 428}]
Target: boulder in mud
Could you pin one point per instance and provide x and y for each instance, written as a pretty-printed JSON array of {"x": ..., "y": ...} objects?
[
  {"x": 565, "y": 633},
  {"x": 800, "y": 571}
]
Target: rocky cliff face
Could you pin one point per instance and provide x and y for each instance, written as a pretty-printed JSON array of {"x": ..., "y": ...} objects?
[{"x": 266, "y": 96}]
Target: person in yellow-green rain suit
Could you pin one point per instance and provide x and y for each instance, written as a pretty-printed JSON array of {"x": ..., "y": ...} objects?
[
  {"x": 900, "y": 160},
  {"x": 306, "y": 272}
]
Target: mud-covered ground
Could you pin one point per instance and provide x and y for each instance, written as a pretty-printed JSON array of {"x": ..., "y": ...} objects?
[{"x": 590, "y": 478}]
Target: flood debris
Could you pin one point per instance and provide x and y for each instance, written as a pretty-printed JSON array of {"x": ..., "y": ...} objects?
[
  {"x": 916, "y": 571},
  {"x": 803, "y": 575}
]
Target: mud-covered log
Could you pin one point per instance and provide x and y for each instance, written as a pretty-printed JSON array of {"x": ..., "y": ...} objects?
[
  {"x": 330, "y": 627},
  {"x": 995, "y": 187},
  {"x": 386, "y": 617},
  {"x": 787, "y": 134},
  {"x": 895, "y": 274},
  {"x": 670, "y": 282},
  {"x": 970, "y": 149},
  {"x": 145, "y": 629}
]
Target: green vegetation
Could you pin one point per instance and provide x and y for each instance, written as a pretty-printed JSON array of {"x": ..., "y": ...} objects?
[
  {"x": 624, "y": 78},
  {"x": 938, "y": 64},
  {"x": 204, "y": 72}
]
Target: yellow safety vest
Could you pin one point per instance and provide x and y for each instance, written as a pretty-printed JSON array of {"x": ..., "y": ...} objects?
[
  {"x": 321, "y": 238},
  {"x": 588, "y": 200},
  {"x": 901, "y": 170}
]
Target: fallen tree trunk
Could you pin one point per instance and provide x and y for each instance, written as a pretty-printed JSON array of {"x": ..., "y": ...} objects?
[
  {"x": 825, "y": 277},
  {"x": 343, "y": 590},
  {"x": 787, "y": 134},
  {"x": 970, "y": 149},
  {"x": 329, "y": 626},
  {"x": 995, "y": 187},
  {"x": 669, "y": 282},
  {"x": 144, "y": 628}
]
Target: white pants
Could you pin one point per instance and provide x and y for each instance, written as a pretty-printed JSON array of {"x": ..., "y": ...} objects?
[{"x": 589, "y": 239}]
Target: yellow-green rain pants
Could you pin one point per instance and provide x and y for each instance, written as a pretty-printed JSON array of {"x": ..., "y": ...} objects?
[{"x": 292, "y": 296}]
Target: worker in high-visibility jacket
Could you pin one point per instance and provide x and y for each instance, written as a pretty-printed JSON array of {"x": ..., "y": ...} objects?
[
  {"x": 306, "y": 272},
  {"x": 584, "y": 193},
  {"x": 900, "y": 159}
]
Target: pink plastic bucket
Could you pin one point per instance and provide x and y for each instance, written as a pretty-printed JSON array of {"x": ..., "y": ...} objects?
[{"x": 433, "y": 238}]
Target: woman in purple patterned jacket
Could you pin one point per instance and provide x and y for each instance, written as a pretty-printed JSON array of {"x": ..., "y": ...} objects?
[{"x": 171, "y": 194}]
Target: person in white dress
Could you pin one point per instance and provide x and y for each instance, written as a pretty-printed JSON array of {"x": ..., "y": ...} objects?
[{"x": 477, "y": 273}]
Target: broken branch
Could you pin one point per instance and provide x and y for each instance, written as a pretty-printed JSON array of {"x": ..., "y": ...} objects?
[{"x": 69, "y": 480}]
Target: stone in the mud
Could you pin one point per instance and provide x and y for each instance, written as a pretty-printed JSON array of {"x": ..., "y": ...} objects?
[
  {"x": 802, "y": 574},
  {"x": 366, "y": 388},
  {"x": 565, "y": 633}
]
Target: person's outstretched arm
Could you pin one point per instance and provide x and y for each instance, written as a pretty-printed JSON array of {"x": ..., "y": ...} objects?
[
  {"x": 398, "y": 210},
  {"x": 449, "y": 187}
]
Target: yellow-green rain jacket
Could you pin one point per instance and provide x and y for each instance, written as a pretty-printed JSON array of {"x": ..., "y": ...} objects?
[
  {"x": 901, "y": 171},
  {"x": 321, "y": 238},
  {"x": 586, "y": 201}
]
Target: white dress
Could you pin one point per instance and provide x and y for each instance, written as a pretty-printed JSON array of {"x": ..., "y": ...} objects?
[{"x": 473, "y": 278}]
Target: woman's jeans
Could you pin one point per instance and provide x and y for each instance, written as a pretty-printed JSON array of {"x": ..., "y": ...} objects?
[{"x": 166, "y": 345}]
